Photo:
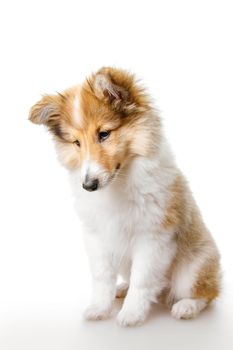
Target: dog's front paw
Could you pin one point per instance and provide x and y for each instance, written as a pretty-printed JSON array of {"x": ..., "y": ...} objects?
[
  {"x": 96, "y": 312},
  {"x": 130, "y": 318}
]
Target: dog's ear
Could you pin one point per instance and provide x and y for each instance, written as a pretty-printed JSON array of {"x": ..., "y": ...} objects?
[
  {"x": 45, "y": 110},
  {"x": 120, "y": 90},
  {"x": 108, "y": 90}
]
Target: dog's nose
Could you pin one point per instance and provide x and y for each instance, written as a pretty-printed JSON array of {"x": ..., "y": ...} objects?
[{"x": 91, "y": 185}]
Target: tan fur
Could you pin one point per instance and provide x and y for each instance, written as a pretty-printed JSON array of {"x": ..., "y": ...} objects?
[
  {"x": 193, "y": 240},
  {"x": 207, "y": 285},
  {"x": 126, "y": 120}
]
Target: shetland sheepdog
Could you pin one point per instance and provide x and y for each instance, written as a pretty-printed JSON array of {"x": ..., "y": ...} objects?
[{"x": 140, "y": 220}]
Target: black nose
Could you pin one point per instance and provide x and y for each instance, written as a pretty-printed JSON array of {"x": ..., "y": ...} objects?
[{"x": 91, "y": 185}]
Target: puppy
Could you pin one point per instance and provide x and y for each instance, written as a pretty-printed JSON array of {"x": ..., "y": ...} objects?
[{"x": 140, "y": 220}]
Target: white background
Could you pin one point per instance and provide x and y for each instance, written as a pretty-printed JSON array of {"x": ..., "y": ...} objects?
[{"x": 183, "y": 52}]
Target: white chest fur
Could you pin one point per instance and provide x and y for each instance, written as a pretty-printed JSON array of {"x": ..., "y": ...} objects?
[{"x": 131, "y": 206}]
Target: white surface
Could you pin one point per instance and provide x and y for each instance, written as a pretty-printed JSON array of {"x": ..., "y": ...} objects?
[{"x": 183, "y": 52}]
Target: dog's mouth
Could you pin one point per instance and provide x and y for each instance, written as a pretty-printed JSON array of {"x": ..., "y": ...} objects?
[
  {"x": 109, "y": 179},
  {"x": 118, "y": 166}
]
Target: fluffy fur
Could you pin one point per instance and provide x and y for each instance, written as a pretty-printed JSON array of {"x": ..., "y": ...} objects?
[{"x": 140, "y": 220}]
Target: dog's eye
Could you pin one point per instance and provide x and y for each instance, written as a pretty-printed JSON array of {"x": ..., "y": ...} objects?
[
  {"x": 76, "y": 142},
  {"x": 103, "y": 135}
]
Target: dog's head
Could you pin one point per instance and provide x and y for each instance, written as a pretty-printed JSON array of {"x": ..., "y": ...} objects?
[{"x": 100, "y": 126}]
